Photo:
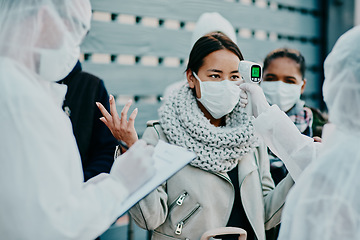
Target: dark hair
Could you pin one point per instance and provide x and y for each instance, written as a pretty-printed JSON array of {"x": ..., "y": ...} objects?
[
  {"x": 208, "y": 44},
  {"x": 289, "y": 53}
]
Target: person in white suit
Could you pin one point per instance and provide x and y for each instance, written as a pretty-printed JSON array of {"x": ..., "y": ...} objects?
[
  {"x": 43, "y": 194},
  {"x": 324, "y": 203}
]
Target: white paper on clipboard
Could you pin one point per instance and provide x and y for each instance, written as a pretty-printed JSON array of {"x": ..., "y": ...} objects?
[{"x": 168, "y": 159}]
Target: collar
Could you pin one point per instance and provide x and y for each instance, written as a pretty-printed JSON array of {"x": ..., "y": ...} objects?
[{"x": 75, "y": 70}]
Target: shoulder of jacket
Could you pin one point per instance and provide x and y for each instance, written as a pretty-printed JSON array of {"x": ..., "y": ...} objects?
[{"x": 152, "y": 123}]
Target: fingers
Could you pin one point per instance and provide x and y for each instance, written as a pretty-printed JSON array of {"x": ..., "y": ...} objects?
[
  {"x": 317, "y": 139},
  {"x": 125, "y": 110},
  {"x": 243, "y": 102},
  {"x": 132, "y": 118},
  {"x": 114, "y": 114},
  {"x": 243, "y": 94},
  {"x": 104, "y": 112}
]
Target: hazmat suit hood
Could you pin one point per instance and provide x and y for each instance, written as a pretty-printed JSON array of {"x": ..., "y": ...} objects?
[
  {"x": 324, "y": 203},
  {"x": 41, "y": 34},
  {"x": 341, "y": 88},
  {"x": 212, "y": 22},
  {"x": 43, "y": 194}
]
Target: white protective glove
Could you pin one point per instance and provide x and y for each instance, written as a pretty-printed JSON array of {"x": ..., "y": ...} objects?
[
  {"x": 243, "y": 99},
  {"x": 257, "y": 98},
  {"x": 135, "y": 166}
]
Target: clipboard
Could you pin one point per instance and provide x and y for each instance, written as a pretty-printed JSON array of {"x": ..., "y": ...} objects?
[{"x": 168, "y": 160}]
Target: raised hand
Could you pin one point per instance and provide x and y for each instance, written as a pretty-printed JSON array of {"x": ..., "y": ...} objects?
[{"x": 121, "y": 128}]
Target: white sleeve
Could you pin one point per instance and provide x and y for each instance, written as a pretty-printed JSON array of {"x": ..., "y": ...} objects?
[
  {"x": 43, "y": 195},
  {"x": 285, "y": 140}
]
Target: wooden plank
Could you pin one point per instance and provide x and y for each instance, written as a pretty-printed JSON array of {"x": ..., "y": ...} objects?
[
  {"x": 114, "y": 38},
  {"x": 135, "y": 79},
  {"x": 241, "y": 16}
]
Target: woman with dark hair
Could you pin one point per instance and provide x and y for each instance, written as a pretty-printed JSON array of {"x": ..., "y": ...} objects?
[
  {"x": 283, "y": 83},
  {"x": 229, "y": 183}
]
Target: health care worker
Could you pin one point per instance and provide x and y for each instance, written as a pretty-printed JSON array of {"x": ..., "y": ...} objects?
[
  {"x": 43, "y": 194},
  {"x": 324, "y": 203}
]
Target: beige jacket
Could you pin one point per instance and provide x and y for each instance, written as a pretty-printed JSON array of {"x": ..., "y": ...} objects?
[{"x": 194, "y": 201}]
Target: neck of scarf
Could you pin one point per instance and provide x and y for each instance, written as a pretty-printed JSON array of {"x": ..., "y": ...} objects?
[
  {"x": 218, "y": 149},
  {"x": 302, "y": 117}
]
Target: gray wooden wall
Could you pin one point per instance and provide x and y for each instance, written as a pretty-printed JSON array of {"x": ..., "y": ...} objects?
[{"x": 138, "y": 47}]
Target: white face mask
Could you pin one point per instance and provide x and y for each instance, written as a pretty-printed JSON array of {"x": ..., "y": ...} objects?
[
  {"x": 56, "y": 64},
  {"x": 284, "y": 95},
  {"x": 219, "y": 98}
]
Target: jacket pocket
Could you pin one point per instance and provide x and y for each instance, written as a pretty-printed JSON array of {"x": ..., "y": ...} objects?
[
  {"x": 178, "y": 201},
  {"x": 186, "y": 219}
]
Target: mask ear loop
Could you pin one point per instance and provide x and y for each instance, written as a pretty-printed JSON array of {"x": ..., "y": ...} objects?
[{"x": 197, "y": 78}]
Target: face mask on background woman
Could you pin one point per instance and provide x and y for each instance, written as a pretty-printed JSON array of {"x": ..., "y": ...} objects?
[{"x": 284, "y": 95}]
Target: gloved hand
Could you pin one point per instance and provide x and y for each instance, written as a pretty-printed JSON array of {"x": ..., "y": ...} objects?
[
  {"x": 243, "y": 99},
  {"x": 257, "y": 98},
  {"x": 135, "y": 166}
]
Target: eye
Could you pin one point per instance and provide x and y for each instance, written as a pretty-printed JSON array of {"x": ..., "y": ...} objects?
[
  {"x": 215, "y": 76},
  {"x": 235, "y": 77},
  {"x": 290, "y": 80},
  {"x": 270, "y": 78}
]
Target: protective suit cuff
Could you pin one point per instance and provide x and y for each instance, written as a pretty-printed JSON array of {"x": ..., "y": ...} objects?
[{"x": 266, "y": 119}]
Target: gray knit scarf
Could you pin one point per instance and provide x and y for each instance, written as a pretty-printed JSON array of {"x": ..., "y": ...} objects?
[{"x": 218, "y": 149}]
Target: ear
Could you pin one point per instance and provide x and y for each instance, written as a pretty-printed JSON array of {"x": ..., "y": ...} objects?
[
  {"x": 303, "y": 86},
  {"x": 190, "y": 78}
]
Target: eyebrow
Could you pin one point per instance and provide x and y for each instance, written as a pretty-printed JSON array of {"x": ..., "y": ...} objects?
[
  {"x": 219, "y": 71},
  {"x": 274, "y": 75}
]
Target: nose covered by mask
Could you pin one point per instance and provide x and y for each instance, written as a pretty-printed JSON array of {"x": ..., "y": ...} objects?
[
  {"x": 284, "y": 95},
  {"x": 219, "y": 98},
  {"x": 56, "y": 64}
]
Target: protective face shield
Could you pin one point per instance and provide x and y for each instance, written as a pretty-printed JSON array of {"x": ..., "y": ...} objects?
[
  {"x": 44, "y": 35},
  {"x": 219, "y": 98},
  {"x": 341, "y": 87},
  {"x": 284, "y": 95}
]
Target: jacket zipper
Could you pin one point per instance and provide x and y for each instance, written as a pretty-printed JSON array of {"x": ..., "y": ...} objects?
[
  {"x": 179, "y": 201},
  {"x": 181, "y": 224}
]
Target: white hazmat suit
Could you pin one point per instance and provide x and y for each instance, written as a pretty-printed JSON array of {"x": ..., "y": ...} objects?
[
  {"x": 324, "y": 203},
  {"x": 43, "y": 194}
]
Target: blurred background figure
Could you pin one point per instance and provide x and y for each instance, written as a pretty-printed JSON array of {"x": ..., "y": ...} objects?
[
  {"x": 283, "y": 83},
  {"x": 95, "y": 142},
  {"x": 43, "y": 191}
]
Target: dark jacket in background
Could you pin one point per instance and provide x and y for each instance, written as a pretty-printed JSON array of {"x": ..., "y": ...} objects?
[{"x": 95, "y": 141}]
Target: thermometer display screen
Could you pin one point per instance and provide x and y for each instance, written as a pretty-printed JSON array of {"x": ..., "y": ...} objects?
[{"x": 255, "y": 71}]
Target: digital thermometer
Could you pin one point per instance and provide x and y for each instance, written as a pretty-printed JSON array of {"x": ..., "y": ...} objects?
[{"x": 250, "y": 73}]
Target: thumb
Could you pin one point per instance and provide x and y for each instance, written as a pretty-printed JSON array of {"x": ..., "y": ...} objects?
[{"x": 247, "y": 87}]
